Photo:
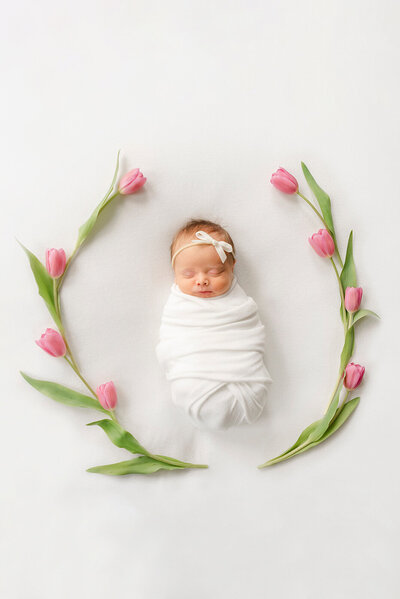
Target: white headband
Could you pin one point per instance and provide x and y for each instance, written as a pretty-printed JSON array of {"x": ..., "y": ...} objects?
[{"x": 203, "y": 237}]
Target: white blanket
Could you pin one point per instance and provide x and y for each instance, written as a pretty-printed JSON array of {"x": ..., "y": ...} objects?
[{"x": 212, "y": 351}]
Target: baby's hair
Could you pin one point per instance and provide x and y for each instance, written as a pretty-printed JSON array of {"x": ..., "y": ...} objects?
[{"x": 197, "y": 224}]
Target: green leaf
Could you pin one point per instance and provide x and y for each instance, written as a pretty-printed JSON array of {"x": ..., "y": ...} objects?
[
  {"x": 175, "y": 462},
  {"x": 303, "y": 436},
  {"x": 326, "y": 419},
  {"x": 343, "y": 313},
  {"x": 141, "y": 465},
  {"x": 342, "y": 414},
  {"x": 86, "y": 228},
  {"x": 45, "y": 284},
  {"x": 347, "y": 350},
  {"x": 119, "y": 436},
  {"x": 64, "y": 394},
  {"x": 348, "y": 275},
  {"x": 322, "y": 198},
  {"x": 310, "y": 434},
  {"x": 361, "y": 313}
]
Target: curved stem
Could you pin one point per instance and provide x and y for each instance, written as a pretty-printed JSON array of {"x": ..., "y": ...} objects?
[
  {"x": 322, "y": 219},
  {"x": 74, "y": 367},
  {"x": 346, "y": 326},
  {"x": 113, "y": 416},
  {"x": 337, "y": 254},
  {"x": 306, "y": 442},
  {"x": 60, "y": 280},
  {"x": 313, "y": 207},
  {"x": 72, "y": 361},
  {"x": 110, "y": 412},
  {"x": 62, "y": 330},
  {"x": 334, "y": 392},
  {"x": 342, "y": 405}
]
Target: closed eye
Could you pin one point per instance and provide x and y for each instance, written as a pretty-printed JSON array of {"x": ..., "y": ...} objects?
[{"x": 213, "y": 271}]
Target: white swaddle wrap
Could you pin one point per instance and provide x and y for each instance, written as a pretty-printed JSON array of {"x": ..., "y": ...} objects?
[{"x": 212, "y": 351}]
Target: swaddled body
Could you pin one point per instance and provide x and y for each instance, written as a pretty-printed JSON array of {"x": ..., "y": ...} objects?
[{"x": 212, "y": 351}]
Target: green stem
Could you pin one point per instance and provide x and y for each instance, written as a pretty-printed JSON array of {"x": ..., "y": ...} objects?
[
  {"x": 113, "y": 416},
  {"x": 62, "y": 330},
  {"x": 72, "y": 361},
  {"x": 322, "y": 219},
  {"x": 74, "y": 367},
  {"x": 60, "y": 280},
  {"x": 333, "y": 394},
  {"x": 346, "y": 326},
  {"x": 173, "y": 462},
  {"x": 313, "y": 207},
  {"x": 342, "y": 405},
  {"x": 306, "y": 442}
]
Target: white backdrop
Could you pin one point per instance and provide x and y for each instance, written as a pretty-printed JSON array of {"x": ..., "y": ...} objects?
[{"x": 207, "y": 99}]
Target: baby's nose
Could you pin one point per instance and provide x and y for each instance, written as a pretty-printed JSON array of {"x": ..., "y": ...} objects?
[{"x": 201, "y": 279}]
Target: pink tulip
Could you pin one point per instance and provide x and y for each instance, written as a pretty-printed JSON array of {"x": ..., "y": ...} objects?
[
  {"x": 284, "y": 181},
  {"x": 322, "y": 243},
  {"x": 107, "y": 395},
  {"x": 52, "y": 342},
  {"x": 131, "y": 182},
  {"x": 352, "y": 299},
  {"x": 353, "y": 375},
  {"x": 55, "y": 262}
]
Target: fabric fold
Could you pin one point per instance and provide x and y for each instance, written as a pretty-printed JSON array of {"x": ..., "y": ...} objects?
[{"x": 212, "y": 350}]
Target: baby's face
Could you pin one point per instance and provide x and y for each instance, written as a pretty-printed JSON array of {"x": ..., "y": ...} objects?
[{"x": 200, "y": 272}]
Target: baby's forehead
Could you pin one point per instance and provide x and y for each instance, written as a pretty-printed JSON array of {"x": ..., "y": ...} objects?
[{"x": 198, "y": 256}]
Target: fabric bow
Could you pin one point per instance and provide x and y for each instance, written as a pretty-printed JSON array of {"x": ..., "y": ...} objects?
[{"x": 220, "y": 246}]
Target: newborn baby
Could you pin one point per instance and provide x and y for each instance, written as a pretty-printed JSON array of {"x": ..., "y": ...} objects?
[{"x": 211, "y": 341}]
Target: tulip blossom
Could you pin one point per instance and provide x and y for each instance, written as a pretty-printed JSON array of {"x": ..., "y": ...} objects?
[
  {"x": 284, "y": 181},
  {"x": 52, "y": 342},
  {"x": 107, "y": 395},
  {"x": 353, "y": 375},
  {"x": 130, "y": 182},
  {"x": 352, "y": 299},
  {"x": 322, "y": 243},
  {"x": 55, "y": 262}
]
